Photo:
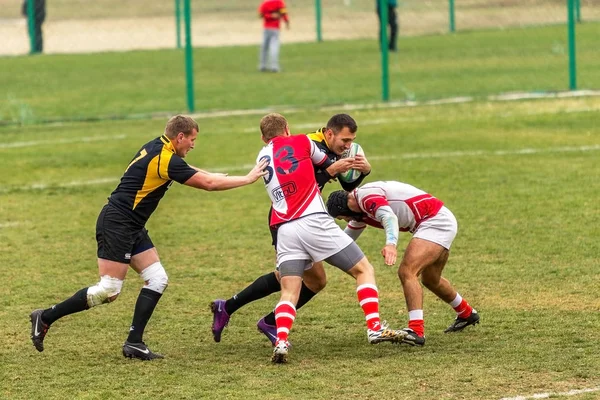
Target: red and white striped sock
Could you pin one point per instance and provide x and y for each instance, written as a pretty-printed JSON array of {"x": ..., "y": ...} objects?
[
  {"x": 368, "y": 298},
  {"x": 462, "y": 308},
  {"x": 415, "y": 322},
  {"x": 285, "y": 314}
]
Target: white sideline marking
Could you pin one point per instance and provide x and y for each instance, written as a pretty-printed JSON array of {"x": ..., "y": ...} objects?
[
  {"x": 85, "y": 139},
  {"x": 405, "y": 156},
  {"x": 449, "y": 154},
  {"x": 573, "y": 392},
  {"x": 44, "y": 186},
  {"x": 9, "y": 224},
  {"x": 514, "y": 96}
]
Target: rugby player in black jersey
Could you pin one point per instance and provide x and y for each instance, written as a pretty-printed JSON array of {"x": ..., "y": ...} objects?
[
  {"x": 336, "y": 137},
  {"x": 123, "y": 240}
]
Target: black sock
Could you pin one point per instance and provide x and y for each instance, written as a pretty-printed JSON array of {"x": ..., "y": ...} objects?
[
  {"x": 305, "y": 295},
  {"x": 261, "y": 287},
  {"x": 144, "y": 306},
  {"x": 74, "y": 304}
]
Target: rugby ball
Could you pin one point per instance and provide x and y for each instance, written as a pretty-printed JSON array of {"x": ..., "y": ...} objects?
[{"x": 351, "y": 175}]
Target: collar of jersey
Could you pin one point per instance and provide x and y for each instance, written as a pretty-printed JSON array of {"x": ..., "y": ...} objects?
[
  {"x": 168, "y": 143},
  {"x": 319, "y": 136}
]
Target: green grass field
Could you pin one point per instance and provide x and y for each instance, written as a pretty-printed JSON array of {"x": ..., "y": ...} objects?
[{"x": 521, "y": 178}]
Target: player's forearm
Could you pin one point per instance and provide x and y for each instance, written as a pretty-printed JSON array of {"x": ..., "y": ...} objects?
[
  {"x": 212, "y": 182},
  {"x": 389, "y": 221}
]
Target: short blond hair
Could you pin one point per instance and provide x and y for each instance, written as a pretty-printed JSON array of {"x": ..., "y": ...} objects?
[
  {"x": 180, "y": 123},
  {"x": 272, "y": 125}
]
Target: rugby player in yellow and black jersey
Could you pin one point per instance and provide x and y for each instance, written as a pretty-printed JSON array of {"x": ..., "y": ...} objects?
[
  {"x": 123, "y": 240},
  {"x": 333, "y": 139}
]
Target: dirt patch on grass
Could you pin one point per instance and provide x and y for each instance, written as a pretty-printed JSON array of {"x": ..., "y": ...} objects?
[{"x": 123, "y": 34}]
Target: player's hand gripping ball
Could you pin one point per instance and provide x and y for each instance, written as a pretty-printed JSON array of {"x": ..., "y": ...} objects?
[{"x": 351, "y": 175}]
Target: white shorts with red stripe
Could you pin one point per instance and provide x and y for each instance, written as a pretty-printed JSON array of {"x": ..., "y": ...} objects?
[
  {"x": 314, "y": 237},
  {"x": 440, "y": 229}
]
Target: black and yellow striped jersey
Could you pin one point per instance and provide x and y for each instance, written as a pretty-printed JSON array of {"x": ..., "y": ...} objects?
[
  {"x": 322, "y": 176},
  {"x": 147, "y": 178}
]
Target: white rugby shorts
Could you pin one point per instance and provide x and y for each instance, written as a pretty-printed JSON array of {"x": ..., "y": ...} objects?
[
  {"x": 440, "y": 229},
  {"x": 314, "y": 237}
]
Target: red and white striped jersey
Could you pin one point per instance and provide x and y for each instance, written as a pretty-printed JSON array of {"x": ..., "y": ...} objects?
[
  {"x": 410, "y": 204},
  {"x": 290, "y": 181}
]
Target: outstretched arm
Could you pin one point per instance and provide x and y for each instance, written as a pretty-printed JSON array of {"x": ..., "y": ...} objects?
[{"x": 210, "y": 182}]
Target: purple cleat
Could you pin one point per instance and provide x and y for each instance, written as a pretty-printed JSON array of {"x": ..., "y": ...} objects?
[
  {"x": 270, "y": 331},
  {"x": 220, "y": 318}
]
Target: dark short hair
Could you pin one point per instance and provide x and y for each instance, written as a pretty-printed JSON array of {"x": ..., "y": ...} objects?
[
  {"x": 337, "y": 205},
  {"x": 341, "y": 121},
  {"x": 180, "y": 123}
]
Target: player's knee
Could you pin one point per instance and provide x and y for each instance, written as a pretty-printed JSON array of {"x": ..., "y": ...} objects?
[
  {"x": 105, "y": 291},
  {"x": 315, "y": 278},
  {"x": 155, "y": 277},
  {"x": 407, "y": 272}
]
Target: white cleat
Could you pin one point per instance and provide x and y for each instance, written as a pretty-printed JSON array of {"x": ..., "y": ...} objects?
[{"x": 280, "y": 352}]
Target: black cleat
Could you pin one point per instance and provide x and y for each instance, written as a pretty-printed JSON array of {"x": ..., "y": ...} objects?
[
  {"x": 461, "y": 323},
  {"x": 38, "y": 329},
  {"x": 139, "y": 351},
  {"x": 412, "y": 338}
]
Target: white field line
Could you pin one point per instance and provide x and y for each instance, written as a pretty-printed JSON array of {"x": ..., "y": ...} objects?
[
  {"x": 44, "y": 186},
  {"x": 405, "y": 156},
  {"x": 312, "y": 126},
  {"x": 573, "y": 392},
  {"x": 85, "y": 139},
  {"x": 9, "y": 224},
  {"x": 452, "y": 154},
  {"x": 516, "y": 96}
]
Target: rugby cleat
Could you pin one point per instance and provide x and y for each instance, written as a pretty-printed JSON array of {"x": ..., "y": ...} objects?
[
  {"x": 38, "y": 329},
  {"x": 139, "y": 351},
  {"x": 411, "y": 338},
  {"x": 461, "y": 323},
  {"x": 220, "y": 318},
  {"x": 384, "y": 334},
  {"x": 270, "y": 331},
  {"x": 280, "y": 352}
]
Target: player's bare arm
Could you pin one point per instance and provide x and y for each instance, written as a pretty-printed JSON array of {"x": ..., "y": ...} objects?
[
  {"x": 213, "y": 182},
  {"x": 209, "y": 173},
  {"x": 388, "y": 219}
]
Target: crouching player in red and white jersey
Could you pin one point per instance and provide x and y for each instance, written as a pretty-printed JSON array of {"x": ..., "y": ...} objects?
[
  {"x": 306, "y": 233},
  {"x": 400, "y": 207}
]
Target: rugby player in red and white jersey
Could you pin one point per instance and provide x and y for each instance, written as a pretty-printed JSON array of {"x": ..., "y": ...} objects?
[
  {"x": 306, "y": 233},
  {"x": 399, "y": 207}
]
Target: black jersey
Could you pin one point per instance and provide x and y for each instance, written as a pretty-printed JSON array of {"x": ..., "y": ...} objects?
[
  {"x": 147, "y": 178},
  {"x": 322, "y": 176}
]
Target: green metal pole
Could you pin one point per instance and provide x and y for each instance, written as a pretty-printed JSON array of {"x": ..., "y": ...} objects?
[
  {"x": 578, "y": 10},
  {"x": 189, "y": 62},
  {"x": 318, "y": 14},
  {"x": 31, "y": 25},
  {"x": 572, "y": 60},
  {"x": 383, "y": 18},
  {"x": 178, "y": 22},
  {"x": 451, "y": 15}
]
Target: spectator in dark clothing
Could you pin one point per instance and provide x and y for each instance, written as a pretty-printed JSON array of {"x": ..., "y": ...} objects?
[
  {"x": 392, "y": 22},
  {"x": 39, "y": 16}
]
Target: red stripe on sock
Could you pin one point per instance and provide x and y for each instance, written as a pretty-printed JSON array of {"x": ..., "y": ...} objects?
[
  {"x": 370, "y": 307},
  {"x": 418, "y": 326},
  {"x": 284, "y": 321},
  {"x": 464, "y": 309}
]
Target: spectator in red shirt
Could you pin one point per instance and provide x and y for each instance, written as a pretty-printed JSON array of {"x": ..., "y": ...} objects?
[{"x": 271, "y": 11}]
